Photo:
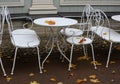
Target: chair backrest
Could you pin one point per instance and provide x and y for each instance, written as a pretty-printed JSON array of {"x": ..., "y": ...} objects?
[
  {"x": 99, "y": 21},
  {"x": 2, "y": 20},
  {"x": 8, "y": 19}
]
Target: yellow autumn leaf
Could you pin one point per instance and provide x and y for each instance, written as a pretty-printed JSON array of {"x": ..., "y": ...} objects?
[
  {"x": 8, "y": 78},
  {"x": 112, "y": 62},
  {"x": 92, "y": 76},
  {"x": 94, "y": 80},
  {"x": 113, "y": 72},
  {"x": 52, "y": 79},
  {"x": 31, "y": 74},
  {"x": 78, "y": 81},
  {"x": 83, "y": 58},
  {"x": 44, "y": 70},
  {"x": 96, "y": 62},
  {"x": 34, "y": 82},
  {"x": 73, "y": 66},
  {"x": 60, "y": 83}
]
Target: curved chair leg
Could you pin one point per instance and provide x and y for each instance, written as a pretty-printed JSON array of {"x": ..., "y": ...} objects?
[
  {"x": 39, "y": 60},
  {"x": 14, "y": 61},
  {"x": 85, "y": 50},
  {"x": 93, "y": 56},
  {"x": 71, "y": 53},
  {"x": 2, "y": 67},
  {"x": 109, "y": 55}
]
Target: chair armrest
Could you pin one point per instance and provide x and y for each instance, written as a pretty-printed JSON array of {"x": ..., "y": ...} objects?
[{"x": 25, "y": 17}]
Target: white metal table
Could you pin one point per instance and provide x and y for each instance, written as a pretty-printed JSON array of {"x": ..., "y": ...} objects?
[
  {"x": 55, "y": 22},
  {"x": 116, "y": 17}
]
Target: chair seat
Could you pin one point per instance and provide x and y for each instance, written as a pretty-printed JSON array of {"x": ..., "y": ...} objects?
[
  {"x": 107, "y": 33},
  {"x": 71, "y": 32},
  {"x": 79, "y": 40},
  {"x": 24, "y": 38}
]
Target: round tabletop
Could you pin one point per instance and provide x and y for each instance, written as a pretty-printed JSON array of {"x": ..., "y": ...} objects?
[
  {"x": 55, "y": 21},
  {"x": 116, "y": 17}
]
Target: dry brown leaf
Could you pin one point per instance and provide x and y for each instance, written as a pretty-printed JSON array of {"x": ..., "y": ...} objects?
[
  {"x": 44, "y": 70},
  {"x": 112, "y": 62},
  {"x": 104, "y": 33},
  {"x": 34, "y": 82},
  {"x": 47, "y": 61},
  {"x": 83, "y": 58},
  {"x": 94, "y": 80},
  {"x": 71, "y": 74},
  {"x": 60, "y": 83},
  {"x": 8, "y": 78},
  {"x": 78, "y": 81},
  {"x": 92, "y": 76},
  {"x": 85, "y": 79},
  {"x": 73, "y": 66},
  {"x": 31, "y": 74},
  {"x": 96, "y": 62},
  {"x": 113, "y": 72},
  {"x": 52, "y": 79}
]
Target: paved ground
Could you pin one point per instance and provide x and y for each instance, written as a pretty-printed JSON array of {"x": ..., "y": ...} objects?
[{"x": 55, "y": 71}]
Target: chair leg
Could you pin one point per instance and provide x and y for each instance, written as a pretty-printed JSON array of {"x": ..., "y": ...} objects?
[
  {"x": 70, "y": 61},
  {"x": 93, "y": 56},
  {"x": 85, "y": 50},
  {"x": 14, "y": 61},
  {"x": 39, "y": 60},
  {"x": 108, "y": 59},
  {"x": 2, "y": 67}
]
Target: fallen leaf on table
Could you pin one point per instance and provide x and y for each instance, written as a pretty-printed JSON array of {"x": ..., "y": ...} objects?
[
  {"x": 52, "y": 79},
  {"x": 83, "y": 58},
  {"x": 31, "y": 74},
  {"x": 8, "y": 78},
  {"x": 94, "y": 80},
  {"x": 34, "y": 82},
  {"x": 96, "y": 62},
  {"x": 92, "y": 76},
  {"x": 104, "y": 33}
]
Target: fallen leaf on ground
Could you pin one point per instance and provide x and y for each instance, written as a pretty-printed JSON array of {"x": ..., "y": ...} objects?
[
  {"x": 96, "y": 62},
  {"x": 34, "y": 82},
  {"x": 73, "y": 66},
  {"x": 78, "y": 81},
  {"x": 31, "y": 74},
  {"x": 47, "y": 61},
  {"x": 113, "y": 72},
  {"x": 83, "y": 58},
  {"x": 94, "y": 80},
  {"x": 60, "y": 83},
  {"x": 52, "y": 79},
  {"x": 8, "y": 78},
  {"x": 44, "y": 70},
  {"x": 92, "y": 76},
  {"x": 112, "y": 62}
]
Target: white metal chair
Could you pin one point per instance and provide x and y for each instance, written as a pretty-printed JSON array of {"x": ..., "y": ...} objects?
[
  {"x": 83, "y": 20},
  {"x": 86, "y": 38},
  {"x": 106, "y": 33},
  {"x": 22, "y": 38},
  {"x": 2, "y": 20}
]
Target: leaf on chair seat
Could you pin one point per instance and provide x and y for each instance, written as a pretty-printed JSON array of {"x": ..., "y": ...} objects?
[
  {"x": 96, "y": 62},
  {"x": 104, "y": 33},
  {"x": 82, "y": 40},
  {"x": 34, "y": 82}
]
